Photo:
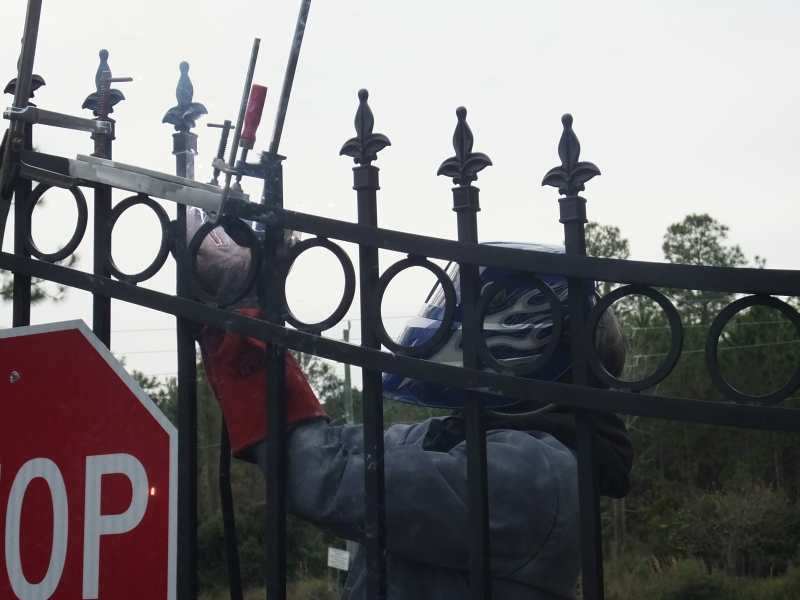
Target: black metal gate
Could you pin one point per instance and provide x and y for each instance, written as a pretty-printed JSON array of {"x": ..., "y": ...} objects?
[{"x": 378, "y": 353}]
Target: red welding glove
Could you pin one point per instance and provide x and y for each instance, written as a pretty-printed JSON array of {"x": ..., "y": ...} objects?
[{"x": 235, "y": 368}]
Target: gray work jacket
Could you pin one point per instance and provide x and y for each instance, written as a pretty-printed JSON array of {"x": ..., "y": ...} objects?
[{"x": 533, "y": 506}]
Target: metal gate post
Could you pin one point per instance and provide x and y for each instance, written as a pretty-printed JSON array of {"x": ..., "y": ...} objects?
[
  {"x": 364, "y": 149},
  {"x": 101, "y": 104},
  {"x": 271, "y": 280},
  {"x": 21, "y": 310},
  {"x": 463, "y": 169},
  {"x": 184, "y": 148},
  {"x": 570, "y": 178}
]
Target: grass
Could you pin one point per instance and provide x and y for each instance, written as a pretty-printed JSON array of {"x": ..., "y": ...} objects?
[
  {"x": 634, "y": 578},
  {"x": 629, "y": 578},
  {"x": 310, "y": 589}
]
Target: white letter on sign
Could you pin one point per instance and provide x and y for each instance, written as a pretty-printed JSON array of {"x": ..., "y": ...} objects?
[
  {"x": 47, "y": 470},
  {"x": 95, "y": 524}
]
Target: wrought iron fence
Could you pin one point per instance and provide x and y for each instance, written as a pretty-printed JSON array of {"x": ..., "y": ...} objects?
[{"x": 377, "y": 352}]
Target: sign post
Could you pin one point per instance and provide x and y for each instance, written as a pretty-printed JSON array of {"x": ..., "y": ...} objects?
[{"x": 88, "y": 472}]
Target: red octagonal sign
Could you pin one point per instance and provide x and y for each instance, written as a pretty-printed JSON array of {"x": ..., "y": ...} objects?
[{"x": 88, "y": 472}]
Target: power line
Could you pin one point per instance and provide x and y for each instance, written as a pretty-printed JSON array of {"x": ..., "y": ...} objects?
[
  {"x": 151, "y": 329},
  {"x": 722, "y": 348},
  {"x": 700, "y": 325}
]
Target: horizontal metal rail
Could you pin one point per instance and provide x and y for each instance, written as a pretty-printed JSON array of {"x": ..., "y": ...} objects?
[
  {"x": 560, "y": 394},
  {"x": 780, "y": 282}
]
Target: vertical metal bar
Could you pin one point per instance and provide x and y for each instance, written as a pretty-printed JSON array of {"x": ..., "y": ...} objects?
[
  {"x": 30, "y": 37},
  {"x": 272, "y": 279},
  {"x": 19, "y": 132},
  {"x": 570, "y": 178},
  {"x": 352, "y": 546},
  {"x": 463, "y": 168},
  {"x": 101, "y": 105},
  {"x": 228, "y": 517},
  {"x": 237, "y": 133},
  {"x": 348, "y": 386},
  {"x": 288, "y": 77},
  {"x": 21, "y": 309},
  {"x": 101, "y": 305},
  {"x": 366, "y": 184},
  {"x": 364, "y": 149},
  {"x": 466, "y": 205},
  {"x": 573, "y": 216},
  {"x": 185, "y": 149}
]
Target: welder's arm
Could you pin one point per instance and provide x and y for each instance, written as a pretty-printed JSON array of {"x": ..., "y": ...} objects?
[{"x": 426, "y": 491}]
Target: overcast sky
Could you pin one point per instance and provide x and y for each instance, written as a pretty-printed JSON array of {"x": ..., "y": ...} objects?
[{"x": 685, "y": 106}]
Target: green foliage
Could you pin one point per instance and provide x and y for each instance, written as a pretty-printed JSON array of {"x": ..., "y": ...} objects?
[
  {"x": 306, "y": 549},
  {"x": 606, "y": 241},
  {"x": 723, "y": 499},
  {"x": 313, "y": 589},
  {"x": 634, "y": 577},
  {"x": 752, "y": 531},
  {"x": 690, "y": 581},
  {"x": 310, "y": 589},
  {"x": 700, "y": 240}
]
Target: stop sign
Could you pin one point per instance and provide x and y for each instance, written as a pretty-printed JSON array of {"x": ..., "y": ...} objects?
[{"x": 88, "y": 472}]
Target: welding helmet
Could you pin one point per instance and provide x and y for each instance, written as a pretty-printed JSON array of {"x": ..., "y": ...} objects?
[
  {"x": 224, "y": 269},
  {"x": 518, "y": 329}
]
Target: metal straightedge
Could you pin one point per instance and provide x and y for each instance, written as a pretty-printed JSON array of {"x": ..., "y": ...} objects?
[
  {"x": 35, "y": 115},
  {"x": 151, "y": 183},
  {"x": 90, "y": 170}
]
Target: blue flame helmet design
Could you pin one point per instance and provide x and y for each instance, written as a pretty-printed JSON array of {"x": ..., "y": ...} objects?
[{"x": 518, "y": 326}]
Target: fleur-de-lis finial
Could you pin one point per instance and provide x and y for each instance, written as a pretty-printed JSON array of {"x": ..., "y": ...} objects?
[
  {"x": 185, "y": 114},
  {"x": 102, "y": 101},
  {"x": 571, "y": 176},
  {"x": 464, "y": 166},
  {"x": 365, "y": 146},
  {"x": 37, "y": 81}
]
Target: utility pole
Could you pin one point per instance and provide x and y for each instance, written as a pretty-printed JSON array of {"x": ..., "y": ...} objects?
[
  {"x": 348, "y": 388},
  {"x": 352, "y": 547}
]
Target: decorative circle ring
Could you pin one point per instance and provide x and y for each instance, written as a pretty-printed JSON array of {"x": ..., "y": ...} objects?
[
  {"x": 349, "y": 284},
  {"x": 439, "y": 338},
  {"x": 77, "y": 236},
  {"x": 530, "y": 366},
  {"x": 712, "y": 347},
  {"x": 676, "y": 338},
  {"x": 163, "y": 250},
  {"x": 243, "y": 236}
]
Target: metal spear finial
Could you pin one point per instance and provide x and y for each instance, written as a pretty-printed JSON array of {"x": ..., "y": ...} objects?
[
  {"x": 365, "y": 146},
  {"x": 464, "y": 166},
  {"x": 571, "y": 176},
  {"x": 185, "y": 114}
]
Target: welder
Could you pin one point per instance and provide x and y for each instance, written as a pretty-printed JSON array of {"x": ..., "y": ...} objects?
[{"x": 531, "y": 456}]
